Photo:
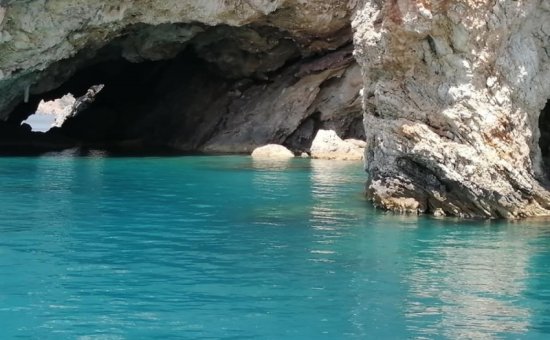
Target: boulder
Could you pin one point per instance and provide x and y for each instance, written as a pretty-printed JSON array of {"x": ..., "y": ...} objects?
[
  {"x": 273, "y": 151},
  {"x": 327, "y": 145}
]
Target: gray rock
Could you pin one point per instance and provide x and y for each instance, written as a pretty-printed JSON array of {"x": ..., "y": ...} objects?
[
  {"x": 453, "y": 95},
  {"x": 452, "y": 92}
]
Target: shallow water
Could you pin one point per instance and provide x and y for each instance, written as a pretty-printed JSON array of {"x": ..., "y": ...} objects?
[{"x": 227, "y": 247}]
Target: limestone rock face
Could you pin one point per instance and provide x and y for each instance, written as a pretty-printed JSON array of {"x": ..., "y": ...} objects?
[
  {"x": 272, "y": 151},
  {"x": 210, "y": 113},
  {"x": 327, "y": 145},
  {"x": 452, "y": 94}
]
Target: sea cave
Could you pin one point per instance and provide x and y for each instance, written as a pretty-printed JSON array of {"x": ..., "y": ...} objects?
[{"x": 226, "y": 90}]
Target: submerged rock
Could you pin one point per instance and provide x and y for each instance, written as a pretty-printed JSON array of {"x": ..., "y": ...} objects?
[
  {"x": 327, "y": 145},
  {"x": 272, "y": 151}
]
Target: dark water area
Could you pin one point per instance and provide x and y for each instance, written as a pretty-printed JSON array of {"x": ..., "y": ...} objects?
[{"x": 228, "y": 247}]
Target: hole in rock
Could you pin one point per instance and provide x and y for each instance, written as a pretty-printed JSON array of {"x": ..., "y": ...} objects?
[
  {"x": 544, "y": 141},
  {"x": 53, "y": 113},
  {"x": 118, "y": 104}
]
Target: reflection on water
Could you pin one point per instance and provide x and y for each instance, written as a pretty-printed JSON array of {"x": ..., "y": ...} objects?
[
  {"x": 269, "y": 164},
  {"x": 466, "y": 284},
  {"x": 77, "y": 152},
  {"x": 328, "y": 212}
]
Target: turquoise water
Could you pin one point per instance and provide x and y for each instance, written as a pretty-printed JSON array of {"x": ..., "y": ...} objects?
[{"x": 227, "y": 247}]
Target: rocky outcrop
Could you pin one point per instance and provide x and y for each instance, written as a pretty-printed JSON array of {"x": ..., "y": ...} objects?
[
  {"x": 272, "y": 151},
  {"x": 453, "y": 93},
  {"x": 291, "y": 107},
  {"x": 327, "y": 145},
  {"x": 148, "y": 103}
]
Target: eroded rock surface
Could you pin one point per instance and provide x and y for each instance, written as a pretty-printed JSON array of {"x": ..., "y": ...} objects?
[
  {"x": 453, "y": 93},
  {"x": 210, "y": 113},
  {"x": 453, "y": 90},
  {"x": 291, "y": 107}
]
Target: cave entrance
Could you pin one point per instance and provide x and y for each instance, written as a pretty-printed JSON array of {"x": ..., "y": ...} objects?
[
  {"x": 105, "y": 104},
  {"x": 544, "y": 141},
  {"x": 227, "y": 90}
]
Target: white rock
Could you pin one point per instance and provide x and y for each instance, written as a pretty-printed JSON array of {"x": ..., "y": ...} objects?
[
  {"x": 491, "y": 81},
  {"x": 327, "y": 145},
  {"x": 272, "y": 151}
]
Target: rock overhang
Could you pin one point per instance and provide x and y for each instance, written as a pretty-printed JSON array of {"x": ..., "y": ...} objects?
[
  {"x": 35, "y": 35},
  {"x": 245, "y": 56}
]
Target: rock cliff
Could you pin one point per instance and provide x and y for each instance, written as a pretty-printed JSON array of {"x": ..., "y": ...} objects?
[{"x": 453, "y": 93}]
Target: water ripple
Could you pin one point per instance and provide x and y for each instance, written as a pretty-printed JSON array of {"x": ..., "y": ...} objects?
[{"x": 228, "y": 247}]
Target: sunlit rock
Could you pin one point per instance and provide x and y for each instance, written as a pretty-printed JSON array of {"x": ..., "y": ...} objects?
[
  {"x": 327, "y": 145},
  {"x": 453, "y": 91},
  {"x": 272, "y": 151}
]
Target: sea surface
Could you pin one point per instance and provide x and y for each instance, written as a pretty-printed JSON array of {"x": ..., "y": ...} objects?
[{"x": 97, "y": 247}]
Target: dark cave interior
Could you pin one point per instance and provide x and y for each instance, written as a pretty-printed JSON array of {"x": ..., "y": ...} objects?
[{"x": 131, "y": 107}]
